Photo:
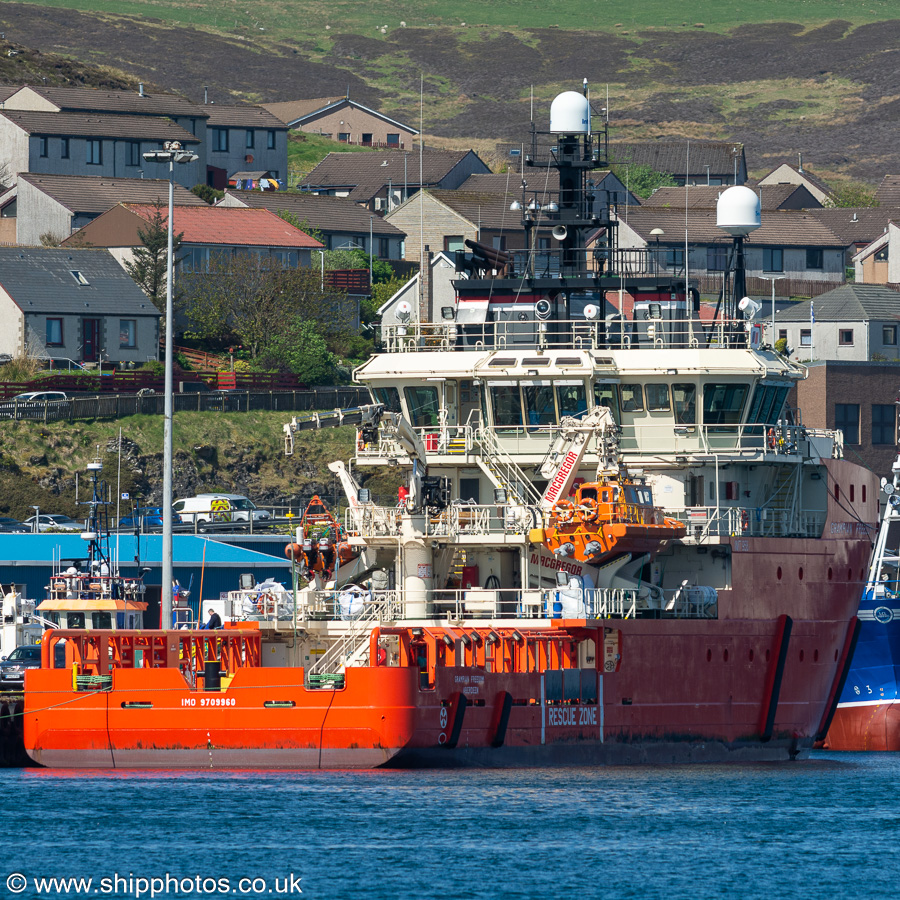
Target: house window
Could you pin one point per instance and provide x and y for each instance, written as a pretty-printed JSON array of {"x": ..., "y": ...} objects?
[
  {"x": 127, "y": 334},
  {"x": 498, "y": 241},
  {"x": 54, "y": 332},
  {"x": 393, "y": 140},
  {"x": 889, "y": 335},
  {"x": 884, "y": 418},
  {"x": 846, "y": 419},
  {"x": 845, "y": 337},
  {"x": 79, "y": 277},
  {"x": 134, "y": 153},
  {"x": 881, "y": 255},
  {"x": 453, "y": 242},
  {"x": 716, "y": 259},
  {"x": 344, "y": 136},
  {"x": 94, "y": 156},
  {"x": 543, "y": 243},
  {"x": 384, "y": 248},
  {"x": 42, "y": 144},
  {"x": 249, "y": 138},
  {"x": 63, "y": 148},
  {"x": 782, "y": 334},
  {"x": 773, "y": 259},
  {"x": 813, "y": 257},
  {"x": 220, "y": 140},
  {"x": 805, "y": 337},
  {"x": 675, "y": 259},
  {"x": 366, "y": 138}
]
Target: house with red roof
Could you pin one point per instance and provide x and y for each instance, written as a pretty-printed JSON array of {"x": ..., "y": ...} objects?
[{"x": 206, "y": 230}]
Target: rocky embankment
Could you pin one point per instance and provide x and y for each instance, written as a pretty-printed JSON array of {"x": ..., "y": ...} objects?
[{"x": 239, "y": 453}]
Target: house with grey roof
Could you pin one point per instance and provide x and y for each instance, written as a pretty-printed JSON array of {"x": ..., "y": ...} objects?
[
  {"x": 856, "y": 228},
  {"x": 58, "y": 205},
  {"x": 792, "y": 246},
  {"x": 344, "y": 120},
  {"x": 798, "y": 176},
  {"x": 888, "y": 192},
  {"x": 241, "y": 139},
  {"x": 691, "y": 162},
  {"x": 342, "y": 223},
  {"x": 63, "y": 143},
  {"x": 73, "y": 304},
  {"x": 381, "y": 180},
  {"x": 854, "y": 322}
]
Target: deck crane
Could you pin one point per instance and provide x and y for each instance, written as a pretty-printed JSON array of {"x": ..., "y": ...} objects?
[{"x": 560, "y": 466}]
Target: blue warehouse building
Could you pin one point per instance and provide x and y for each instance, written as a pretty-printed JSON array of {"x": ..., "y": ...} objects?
[{"x": 28, "y": 561}]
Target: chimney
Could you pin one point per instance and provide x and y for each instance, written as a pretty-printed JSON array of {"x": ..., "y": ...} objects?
[
  {"x": 140, "y": 89},
  {"x": 205, "y": 95},
  {"x": 426, "y": 291}
]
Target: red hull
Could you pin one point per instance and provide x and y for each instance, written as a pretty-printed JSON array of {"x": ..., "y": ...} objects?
[{"x": 875, "y": 727}]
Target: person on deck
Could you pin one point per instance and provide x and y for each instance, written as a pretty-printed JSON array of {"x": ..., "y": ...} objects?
[{"x": 214, "y": 621}]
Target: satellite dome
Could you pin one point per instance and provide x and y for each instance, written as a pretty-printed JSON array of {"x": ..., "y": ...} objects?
[
  {"x": 570, "y": 113},
  {"x": 737, "y": 211}
]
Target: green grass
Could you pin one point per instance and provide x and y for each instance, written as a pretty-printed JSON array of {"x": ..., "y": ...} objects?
[
  {"x": 306, "y": 151},
  {"x": 298, "y": 19}
]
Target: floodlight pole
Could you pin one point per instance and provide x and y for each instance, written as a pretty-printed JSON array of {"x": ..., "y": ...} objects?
[
  {"x": 172, "y": 153},
  {"x": 773, "y": 279}
]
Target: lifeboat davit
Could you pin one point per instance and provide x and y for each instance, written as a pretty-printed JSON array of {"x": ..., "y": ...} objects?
[
  {"x": 613, "y": 516},
  {"x": 324, "y": 546}
]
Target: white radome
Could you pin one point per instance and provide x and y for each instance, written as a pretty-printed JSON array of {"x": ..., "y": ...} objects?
[
  {"x": 570, "y": 113},
  {"x": 737, "y": 211}
]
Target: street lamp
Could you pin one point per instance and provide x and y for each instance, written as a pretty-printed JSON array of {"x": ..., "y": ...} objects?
[
  {"x": 773, "y": 279},
  {"x": 171, "y": 153},
  {"x": 657, "y": 233}
]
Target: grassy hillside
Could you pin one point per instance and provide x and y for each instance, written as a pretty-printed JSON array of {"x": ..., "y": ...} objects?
[
  {"x": 306, "y": 151},
  {"x": 236, "y": 453},
  {"x": 290, "y": 19}
]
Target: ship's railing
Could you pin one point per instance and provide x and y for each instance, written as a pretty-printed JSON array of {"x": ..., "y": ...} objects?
[
  {"x": 365, "y": 608},
  {"x": 570, "y": 334},
  {"x": 635, "y": 438},
  {"x": 740, "y": 521},
  {"x": 373, "y": 522}
]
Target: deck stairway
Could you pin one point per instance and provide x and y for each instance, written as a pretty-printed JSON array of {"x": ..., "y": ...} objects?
[
  {"x": 350, "y": 649},
  {"x": 782, "y": 502},
  {"x": 503, "y": 471}
]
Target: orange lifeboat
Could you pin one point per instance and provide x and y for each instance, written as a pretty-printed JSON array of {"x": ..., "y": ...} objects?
[
  {"x": 616, "y": 515},
  {"x": 325, "y": 545}
]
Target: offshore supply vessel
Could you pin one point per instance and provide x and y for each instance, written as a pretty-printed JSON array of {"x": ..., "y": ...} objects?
[{"x": 615, "y": 542}]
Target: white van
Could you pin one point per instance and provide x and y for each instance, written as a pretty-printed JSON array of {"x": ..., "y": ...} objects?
[{"x": 205, "y": 508}]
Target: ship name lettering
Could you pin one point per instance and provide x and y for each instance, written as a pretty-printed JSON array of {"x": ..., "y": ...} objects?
[
  {"x": 557, "y": 565},
  {"x": 562, "y": 474},
  {"x": 842, "y": 528}
]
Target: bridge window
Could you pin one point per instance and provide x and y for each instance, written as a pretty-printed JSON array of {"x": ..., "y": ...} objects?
[
  {"x": 684, "y": 397},
  {"x": 423, "y": 406},
  {"x": 102, "y": 620},
  {"x": 539, "y": 404},
  {"x": 632, "y": 397},
  {"x": 723, "y": 403},
  {"x": 389, "y": 396},
  {"x": 571, "y": 398},
  {"x": 506, "y": 406},
  {"x": 605, "y": 394},
  {"x": 657, "y": 397},
  {"x": 765, "y": 408}
]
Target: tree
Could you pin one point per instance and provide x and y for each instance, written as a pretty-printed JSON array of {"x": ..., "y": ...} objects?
[
  {"x": 252, "y": 298},
  {"x": 207, "y": 194},
  {"x": 149, "y": 263},
  {"x": 641, "y": 180},
  {"x": 381, "y": 293},
  {"x": 302, "y": 225},
  {"x": 357, "y": 258},
  {"x": 852, "y": 196},
  {"x": 299, "y": 348}
]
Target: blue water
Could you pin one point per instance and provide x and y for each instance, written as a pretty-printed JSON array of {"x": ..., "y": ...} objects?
[{"x": 826, "y": 827}]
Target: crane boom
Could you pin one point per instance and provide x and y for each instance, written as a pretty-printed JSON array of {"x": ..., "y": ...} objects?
[{"x": 560, "y": 466}]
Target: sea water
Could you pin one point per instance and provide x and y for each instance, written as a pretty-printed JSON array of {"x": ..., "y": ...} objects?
[{"x": 828, "y": 826}]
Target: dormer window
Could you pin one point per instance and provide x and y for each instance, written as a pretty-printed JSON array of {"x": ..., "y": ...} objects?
[{"x": 79, "y": 277}]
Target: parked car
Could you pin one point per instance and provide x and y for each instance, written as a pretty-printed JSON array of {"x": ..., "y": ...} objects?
[
  {"x": 21, "y": 404},
  {"x": 26, "y": 656},
  {"x": 12, "y": 526},
  {"x": 52, "y": 522},
  {"x": 219, "y": 508},
  {"x": 149, "y": 517},
  {"x": 41, "y": 396}
]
